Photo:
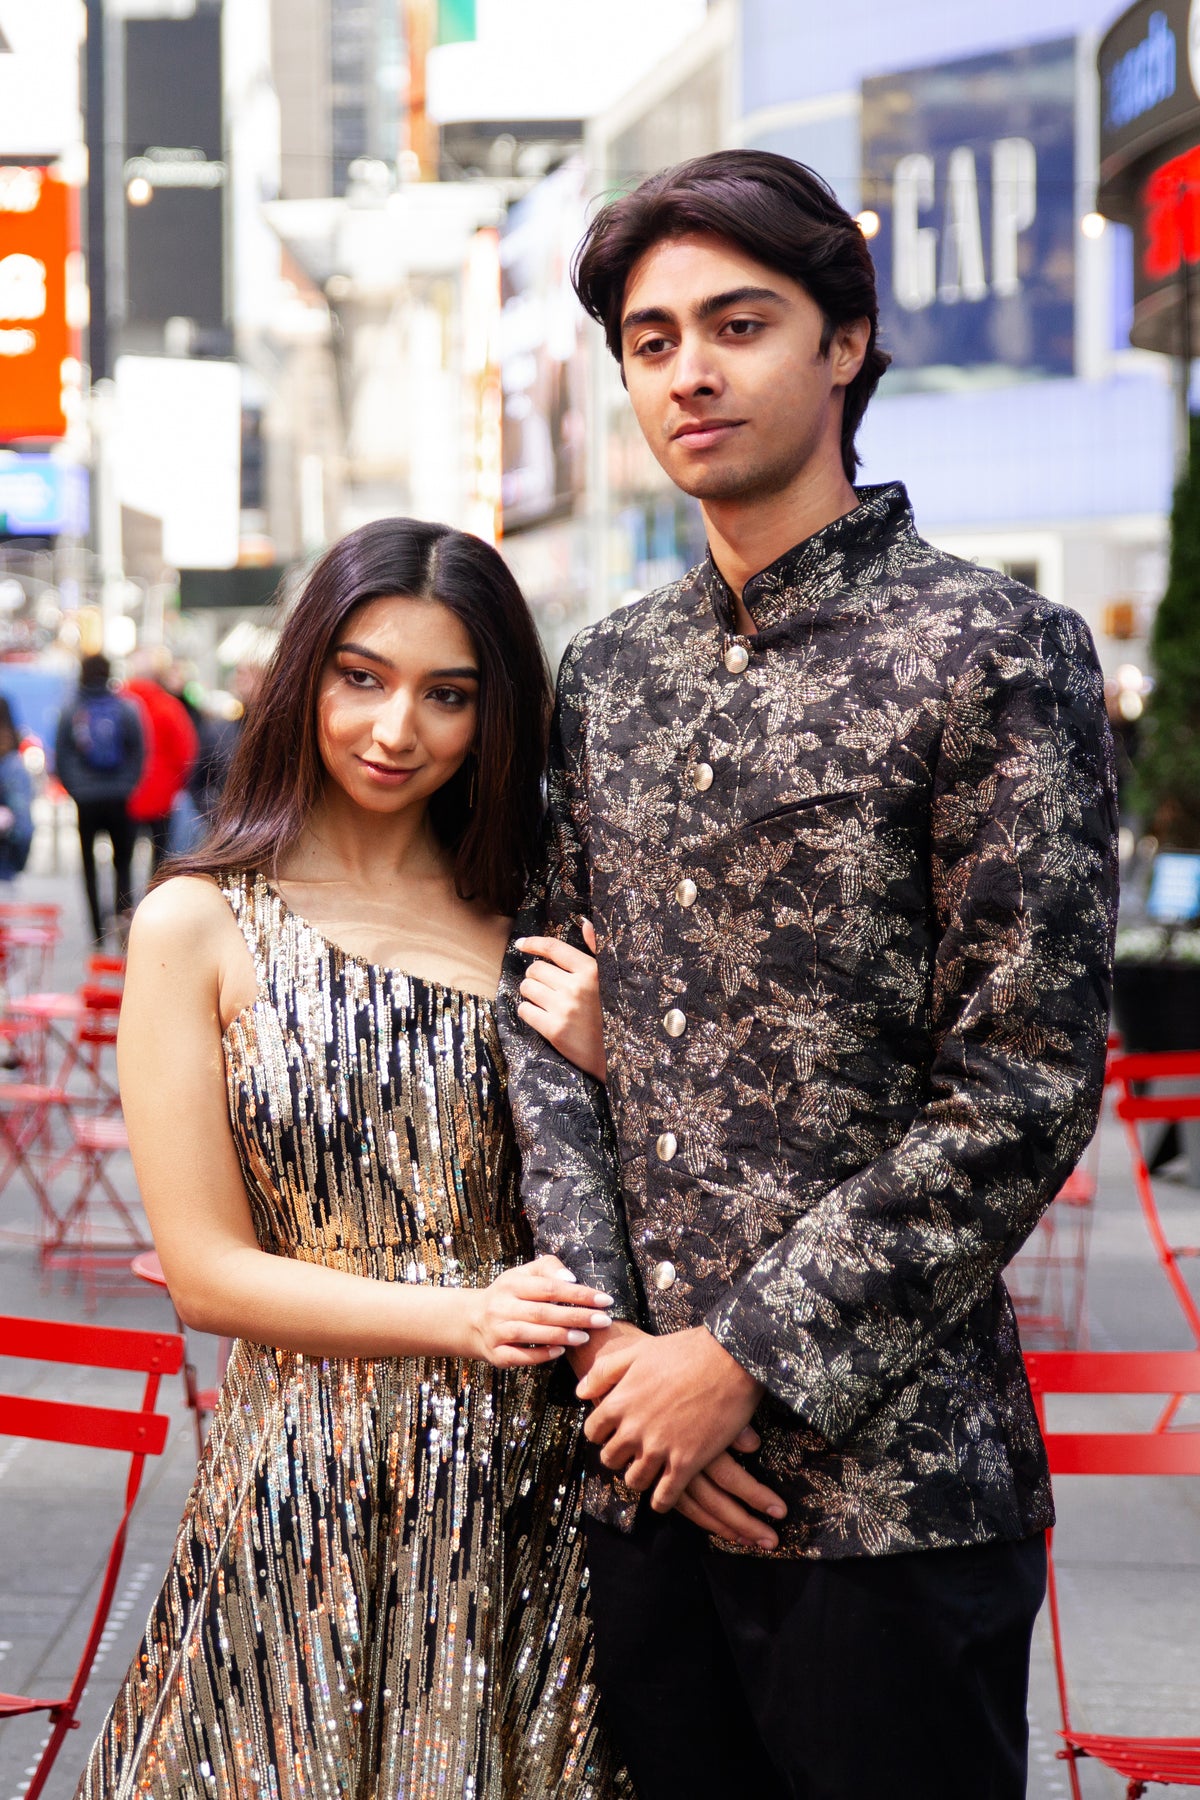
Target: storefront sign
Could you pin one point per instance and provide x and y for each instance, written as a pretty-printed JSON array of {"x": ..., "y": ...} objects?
[
  {"x": 1149, "y": 65},
  {"x": 38, "y": 350},
  {"x": 41, "y": 497},
  {"x": 970, "y": 167}
]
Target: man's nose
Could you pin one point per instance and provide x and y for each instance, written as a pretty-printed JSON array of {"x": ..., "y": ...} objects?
[{"x": 695, "y": 370}]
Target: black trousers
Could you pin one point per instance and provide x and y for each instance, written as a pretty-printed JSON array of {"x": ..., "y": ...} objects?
[
  {"x": 729, "y": 1677},
  {"x": 111, "y": 818}
]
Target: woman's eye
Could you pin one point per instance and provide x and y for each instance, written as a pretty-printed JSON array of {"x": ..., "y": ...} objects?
[
  {"x": 448, "y": 696},
  {"x": 359, "y": 678}
]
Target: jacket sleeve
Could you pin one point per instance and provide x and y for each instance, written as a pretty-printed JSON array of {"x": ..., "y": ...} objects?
[
  {"x": 884, "y": 1267},
  {"x": 133, "y": 731},
  {"x": 569, "y": 1167}
]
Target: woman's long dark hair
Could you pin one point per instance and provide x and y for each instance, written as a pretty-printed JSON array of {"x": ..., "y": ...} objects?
[{"x": 277, "y": 774}]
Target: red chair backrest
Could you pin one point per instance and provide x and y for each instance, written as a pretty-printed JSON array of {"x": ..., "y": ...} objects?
[
  {"x": 1167, "y": 1372},
  {"x": 1157, "y": 1065},
  {"x": 138, "y": 1431}
]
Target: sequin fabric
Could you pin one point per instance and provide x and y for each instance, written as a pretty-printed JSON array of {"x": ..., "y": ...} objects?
[
  {"x": 377, "y": 1592},
  {"x": 854, "y": 885}
]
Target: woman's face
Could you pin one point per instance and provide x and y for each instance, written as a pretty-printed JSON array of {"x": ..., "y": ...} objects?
[{"x": 398, "y": 704}]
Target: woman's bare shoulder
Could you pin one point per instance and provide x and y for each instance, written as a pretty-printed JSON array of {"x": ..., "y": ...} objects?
[{"x": 188, "y": 912}]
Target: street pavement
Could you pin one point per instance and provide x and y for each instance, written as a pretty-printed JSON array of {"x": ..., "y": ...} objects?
[{"x": 1128, "y": 1549}]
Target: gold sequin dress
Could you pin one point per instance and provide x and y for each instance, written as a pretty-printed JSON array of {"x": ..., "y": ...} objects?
[{"x": 377, "y": 1592}]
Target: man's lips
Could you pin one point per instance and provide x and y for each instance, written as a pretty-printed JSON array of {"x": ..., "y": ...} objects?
[{"x": 699, "y": 434}]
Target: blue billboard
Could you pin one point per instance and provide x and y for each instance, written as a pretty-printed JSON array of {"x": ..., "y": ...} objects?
[
  {"x": 970, "y": 167},
  {"x": 42, "y": 497}
]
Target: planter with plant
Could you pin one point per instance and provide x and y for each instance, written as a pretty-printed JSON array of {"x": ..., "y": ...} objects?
[{"x": 1157, "y": 987}]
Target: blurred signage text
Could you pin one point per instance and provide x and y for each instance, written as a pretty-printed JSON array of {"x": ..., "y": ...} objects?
[
  {"x": 1149, "y": 66},
  {"x": 39, "y": 367},
  {"x": 971, "y": 168},
  {"x": 41, "y": 497}
]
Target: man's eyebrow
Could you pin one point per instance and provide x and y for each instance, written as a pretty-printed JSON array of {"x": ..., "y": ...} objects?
[{"x": 714, "y": 303}]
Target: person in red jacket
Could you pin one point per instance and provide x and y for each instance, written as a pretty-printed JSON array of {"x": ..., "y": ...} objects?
[{"x": 171, "y": 750}]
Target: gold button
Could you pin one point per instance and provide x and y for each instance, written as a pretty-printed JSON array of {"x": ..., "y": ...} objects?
[
  {"x": 674, "y": 1022},
  {"x": 664, "y": 1276},
  {"x": 685, "y": 893},
  {"x": 702, "y": 777},
  {"x": 666, "y": 1146},
  {"x": 737, "y": 659}
]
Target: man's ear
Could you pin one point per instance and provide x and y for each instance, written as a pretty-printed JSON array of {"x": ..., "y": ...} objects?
[{"x": 848, "y": 350}]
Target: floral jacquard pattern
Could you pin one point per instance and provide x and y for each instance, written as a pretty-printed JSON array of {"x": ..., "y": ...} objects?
[{"x": 853, "y": 879}]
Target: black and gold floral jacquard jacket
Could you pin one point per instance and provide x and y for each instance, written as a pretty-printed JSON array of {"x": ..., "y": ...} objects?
[{"x": 854, "y": 883}]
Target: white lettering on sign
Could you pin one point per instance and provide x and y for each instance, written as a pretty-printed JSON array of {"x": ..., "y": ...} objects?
[
  {"x": 20, "y": 190},
  {"x": 17, "y": 343},
  {"x": 22, "y": 287},
  {"x": 1014, "y": 208},
  {"x": 963, "y": 274},
  {"x": 914, "y": 255}
]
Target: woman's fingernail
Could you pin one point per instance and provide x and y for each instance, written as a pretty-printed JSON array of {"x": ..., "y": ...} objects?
[
  {"x": 518, "y": 943},
  {"x": 765, "y": 1543},
  {"x": 602, "y": 1299},
  {"x": 778, "y": 1511},
  {"x": 567, "y": 1275},
  {"x": 577, "y": 1337},
  {"x": 557, "y": 1350},
  {"x": 600, "y": 1320}
]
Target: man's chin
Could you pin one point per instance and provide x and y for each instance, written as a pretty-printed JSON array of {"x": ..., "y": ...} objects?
[{"x": 721, "y": 486}]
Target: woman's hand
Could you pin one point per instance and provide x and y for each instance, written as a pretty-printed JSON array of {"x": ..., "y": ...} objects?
[
  {"x": 533, "y": 1313},
  {"x": 560, "y": 997}
]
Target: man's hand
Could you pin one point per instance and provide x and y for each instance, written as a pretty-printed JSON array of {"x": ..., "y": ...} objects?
[{"x": 665, "y": 1409}]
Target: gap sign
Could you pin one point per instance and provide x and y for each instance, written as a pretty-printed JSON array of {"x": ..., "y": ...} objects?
[{"x": 971, "y": 169}]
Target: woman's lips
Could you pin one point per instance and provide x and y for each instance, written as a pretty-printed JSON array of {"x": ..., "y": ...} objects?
[{"x": 384, "y": 773}]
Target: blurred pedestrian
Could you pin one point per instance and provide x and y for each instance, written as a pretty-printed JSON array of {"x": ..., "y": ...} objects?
[
  {"x": 16, "y": 799},
  {"x": 98, "y": 753},
  {"x": 171, "y": 749},
  {"x": 841, "y": 808}
]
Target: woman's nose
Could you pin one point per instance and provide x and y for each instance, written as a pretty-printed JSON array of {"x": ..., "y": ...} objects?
[{"x": 395, "y": 723}]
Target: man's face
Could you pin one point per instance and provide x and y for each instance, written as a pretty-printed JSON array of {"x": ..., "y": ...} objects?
[{"x": 722, "y": 359}]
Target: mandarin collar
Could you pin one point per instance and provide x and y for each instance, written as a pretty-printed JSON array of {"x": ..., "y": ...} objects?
[{"x": 821, "y": 573}]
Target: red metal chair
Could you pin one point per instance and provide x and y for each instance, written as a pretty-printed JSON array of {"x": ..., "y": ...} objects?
[
  {"x": 201, "y": 1402},
  {"x": 1133, "y": 1108},
  {"x": 137, "y": 1432},
  {"x": 1140, "y": 1760}
]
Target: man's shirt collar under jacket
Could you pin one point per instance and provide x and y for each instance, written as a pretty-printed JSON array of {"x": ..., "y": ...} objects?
[{"x": 835, "y": 572}]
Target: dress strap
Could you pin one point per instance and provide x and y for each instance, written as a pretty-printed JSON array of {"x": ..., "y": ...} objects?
[{"x": 256, "y": 908}]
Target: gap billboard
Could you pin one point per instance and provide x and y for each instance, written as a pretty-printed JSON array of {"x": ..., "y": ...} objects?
[{"x": 970, "y": 167}]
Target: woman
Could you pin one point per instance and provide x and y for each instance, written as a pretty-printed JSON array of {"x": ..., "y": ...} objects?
[{"x": 376, "y": 1589}]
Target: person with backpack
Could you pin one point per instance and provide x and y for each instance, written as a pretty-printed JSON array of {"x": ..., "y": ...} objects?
[
  {"x": 99, "y": 751},
  {"x": 16, "y": 799}
]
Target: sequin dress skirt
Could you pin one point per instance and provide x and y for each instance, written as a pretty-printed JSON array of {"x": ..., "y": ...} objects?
[{"x": 377, "y": 1591}]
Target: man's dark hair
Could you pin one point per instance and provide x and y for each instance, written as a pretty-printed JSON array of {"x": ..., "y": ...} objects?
[
  {"x": 95, "y": 670},
  {"x": 779, "y": 212}
]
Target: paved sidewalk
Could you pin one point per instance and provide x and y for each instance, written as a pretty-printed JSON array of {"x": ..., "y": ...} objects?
[{"x": 1129, "y": 1550}]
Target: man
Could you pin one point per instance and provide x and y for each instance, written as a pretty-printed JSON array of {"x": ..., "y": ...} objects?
[
  {"x": 98, "y": 756},
  {"x": 171, "y": 748},
  {"x": 841, "y": 809}
]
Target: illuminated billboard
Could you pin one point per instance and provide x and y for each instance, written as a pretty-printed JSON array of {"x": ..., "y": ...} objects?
[
  {"x": 970, "y": 167},
  {"x": 38, "y": 349},
  {"x": 41, "y": 497}
]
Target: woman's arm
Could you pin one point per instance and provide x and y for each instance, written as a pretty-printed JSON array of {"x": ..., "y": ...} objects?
[{"x": 185, "y": 956}]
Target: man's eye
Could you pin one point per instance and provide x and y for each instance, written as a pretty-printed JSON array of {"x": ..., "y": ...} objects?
[
  {"x": 743, "y": 327},
  {"x": 652, "y": 346}
]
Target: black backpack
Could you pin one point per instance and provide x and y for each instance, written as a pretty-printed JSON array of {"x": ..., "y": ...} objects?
[{"x": 97, "y": 732}]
